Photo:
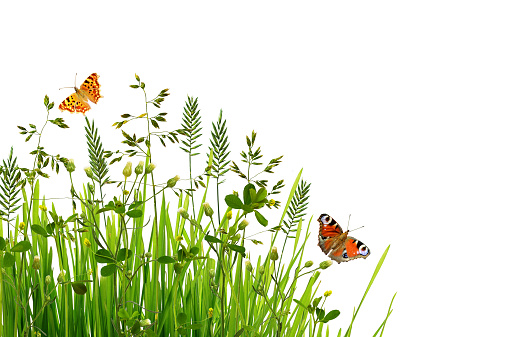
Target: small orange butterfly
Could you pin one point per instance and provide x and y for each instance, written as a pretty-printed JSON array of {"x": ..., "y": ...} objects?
[{"x": 89, "y": 91}]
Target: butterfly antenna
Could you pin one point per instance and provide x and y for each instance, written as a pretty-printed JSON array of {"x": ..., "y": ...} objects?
[
  {"x": 348, "y": 223},
  {"x": 356, "y": 229}
]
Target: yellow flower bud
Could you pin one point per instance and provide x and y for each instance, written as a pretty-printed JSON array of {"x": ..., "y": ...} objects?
[
  {"x": 179, "y": 238},
  {"x": 127, "y": 171},
  {"x": 328, "y": 293},
  {"x": 87, "y": 243},
  {"x": 210, "y": 312},
  {"x": 271, "y": 202},
  {"x": 229, "y": 215},
  {"x": 43, "y": 208},
  {"x": 22, "y": 226}
]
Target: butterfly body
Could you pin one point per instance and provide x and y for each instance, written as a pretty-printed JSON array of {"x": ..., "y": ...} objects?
[
  {"x": 78, "y": 101},
  {"x": 337, "y": 244}
]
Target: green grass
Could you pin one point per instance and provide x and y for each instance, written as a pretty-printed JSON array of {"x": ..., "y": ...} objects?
[{"x": 158, "y": 259}]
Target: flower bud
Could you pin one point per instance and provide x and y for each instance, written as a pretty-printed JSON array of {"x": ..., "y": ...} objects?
[
  {"x": 212, "y": 273},
  {"x": 129, "y": 273},
  {"x": 235, "y": 238},
  {"x": 208, "y": 211},
  {"x": 248, "y": 266},
  {"x": 47, "y": 280},
  {"x": 178, "y": 268},
  {"x": 36, "y": 264},
  {"x": 183, "y": 213},
  {"x": 88, "y": 171},
  {"x": 243, "y": 224},
  {"x": 261, "y": 270},
  {"x": 235, "y": 193},
  {"x": 172, "y": 182},
  {"x": 179, "y": 238},
  {"x": 89, "y": 272},
  {"x": 48, "y": 298},
  {"x": 145, "y": 322},
  {"x": 70, "y": 165},
  {"x": 308, "y": 264},
  {"x": 325, "y": 264},
  {"x": 61, "y": 276},
  {"x": 148, "y": 255},
  {"x": 210, "y": 312},
  {"x": 127, "y": 171},
  {"x": 271, "y": 202},
  {"x": 87, "y": 243},
  {"x": 139, "y": 168},
  {"x": 22, "y": 226},
  {"x": 273, "y": 254},
  {"x": 126, "y": 192},
  {"x": 43, "y": 208},
  {"x": 229, "y": 215},
  {"x": 328, "y": 293},
  {"x": 150, "y": 168}
]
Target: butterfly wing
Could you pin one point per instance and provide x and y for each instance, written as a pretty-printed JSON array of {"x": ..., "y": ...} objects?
[
  {"x": 74, "y": 103},
  {"x": 91, "y": 88},
  {"x": 337, "y": 244},
  {"x": 352, "y": 249}
]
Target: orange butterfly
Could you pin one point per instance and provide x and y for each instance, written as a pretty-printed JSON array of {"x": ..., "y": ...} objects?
[{"x": 89, "y": 91}]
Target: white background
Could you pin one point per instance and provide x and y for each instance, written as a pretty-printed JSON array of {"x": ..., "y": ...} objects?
[{"x": 398, "y": 112}]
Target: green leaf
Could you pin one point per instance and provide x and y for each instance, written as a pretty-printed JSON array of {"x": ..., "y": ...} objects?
[
  {"x": 320, "y": 313},
  {"x": 261, "y": 195},
  {"x": 233, "y": 201},
  {"x": 135, "y": 205},
  {"x": 330, "y": 316},
  {"x": 79, "y": 288},
  {"x": 72, "y": 218},
  {"x": 194, "y": 250},
  {"x": 165, "y": 259},
  {"x": 120, "y": 209},
  {"x": 2, "y": 243},
  {"x": 21, "y": 246},
  {"x": 300, "y": 303},
  {"x": 261, "y": 219},
  {"x": 121, "y": 256},
  {"x": 212, "y": 239},
  {"x": 135, "y": 328},
  {"x": 123, "y": 314},
  {"x": 236, "y": 248},
  {"x": 108, "y": 270},
  {"x": 182, "y": 318},
  {"x": 39, "y": 230},
  {"x": 134, "y": 213},
  {"x": 103, "y": 256},
  {"x": 316, "y": 301},
  {"x": 8, "y": 260},
  {"x": 239, "y": 333},
  {"x": 247, "y": 193}
]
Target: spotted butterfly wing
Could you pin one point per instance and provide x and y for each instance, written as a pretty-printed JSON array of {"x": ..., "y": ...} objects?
[
  {"x": 78, "y": 101},
  {"x": 337, "y": 244}
]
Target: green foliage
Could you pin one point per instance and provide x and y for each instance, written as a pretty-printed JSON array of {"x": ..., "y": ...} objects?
[
  {"x": 297, "y": 208},
  {"x": 11, "y": 184},
  {"x": 191, "y": 126},
  {"x": 193, "y": 277},
  {"x": 96, "y": 154},
  {"x": 219, "y": 146}
]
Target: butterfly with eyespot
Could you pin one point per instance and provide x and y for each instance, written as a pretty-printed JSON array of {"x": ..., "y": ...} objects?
[{"x": 337, "y": 244}]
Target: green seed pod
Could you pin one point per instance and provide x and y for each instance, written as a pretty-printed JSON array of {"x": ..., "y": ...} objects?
[
  {"x": 183, "y": 213},
  {"x": 308, "y": 264},
  {"x": 248, "y": 266},
  {"x": 261, "y": 270},
  {"x": 150, "y": 168},
  {"x": 88, "y": 171},
  {"x": 47, "y": 280}
]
